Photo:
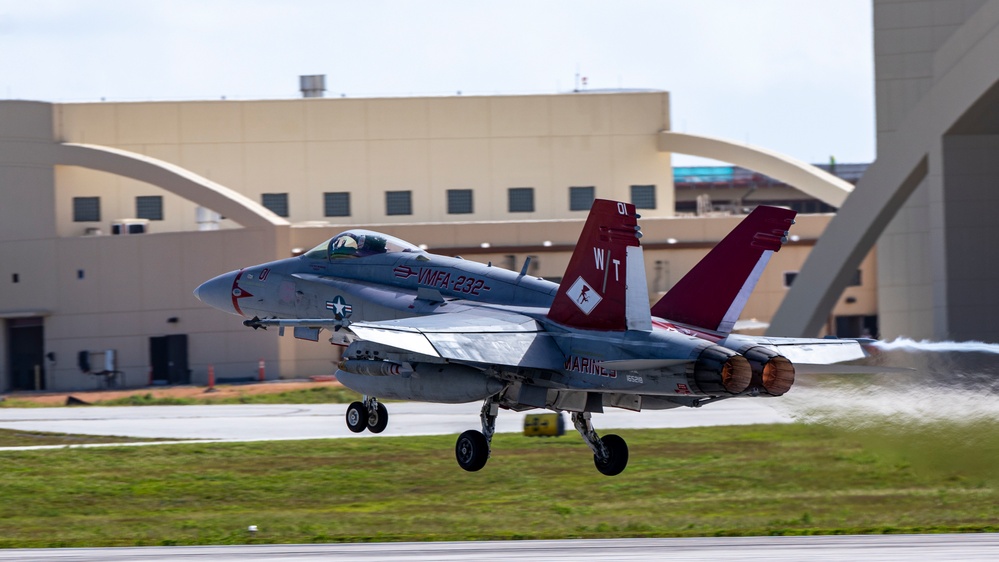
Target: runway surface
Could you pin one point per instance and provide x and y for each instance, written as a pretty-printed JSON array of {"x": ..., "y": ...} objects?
[
  {"x": 307, "y": 421},
  {"x": 881, "y": 548}
]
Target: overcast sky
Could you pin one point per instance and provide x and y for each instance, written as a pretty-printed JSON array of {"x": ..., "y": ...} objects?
[{"x": 794, "y": 76}]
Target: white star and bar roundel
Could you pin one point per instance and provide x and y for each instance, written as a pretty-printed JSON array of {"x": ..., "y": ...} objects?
[{"x": 339, "y": 307}]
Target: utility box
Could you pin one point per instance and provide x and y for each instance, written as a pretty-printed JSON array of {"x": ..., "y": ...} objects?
[{"x": 544, "y": 425}]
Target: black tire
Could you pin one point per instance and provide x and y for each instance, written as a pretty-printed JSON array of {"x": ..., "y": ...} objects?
[
  {"x": 378, "y": 421},
  {"x": 357, "y": 417},
  {"x": 471, "y": 450},
  {"x": 617, "y": 456}
]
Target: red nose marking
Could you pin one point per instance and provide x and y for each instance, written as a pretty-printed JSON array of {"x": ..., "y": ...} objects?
[{"x": 238, "y": 293}]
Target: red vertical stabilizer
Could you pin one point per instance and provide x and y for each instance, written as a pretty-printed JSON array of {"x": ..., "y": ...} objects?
[
  {"x": 604, "y": 286},
  {"x": 712, "y": 295}
]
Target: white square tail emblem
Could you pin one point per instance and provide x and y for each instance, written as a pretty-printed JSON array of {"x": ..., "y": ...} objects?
[{"x": 583, "y": 295}]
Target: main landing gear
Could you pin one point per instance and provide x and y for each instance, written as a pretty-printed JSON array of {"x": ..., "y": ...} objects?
[
  {"x": 472, "y": 448},
  {"x": 610, "y": 452},
  {"x": 369, "y": 414}
]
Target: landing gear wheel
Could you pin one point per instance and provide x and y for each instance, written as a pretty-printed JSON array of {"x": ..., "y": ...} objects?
[
  {"x": 357, "y": 417},
  {"x": 610, "y": 452},
  {"x": 617, "y": 456},
  {"x": 378, "y": 420},
  {"x": 471, "y": 450}
]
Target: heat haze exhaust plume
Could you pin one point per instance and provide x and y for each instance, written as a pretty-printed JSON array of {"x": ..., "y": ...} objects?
[{"x": 941, "y": 418}]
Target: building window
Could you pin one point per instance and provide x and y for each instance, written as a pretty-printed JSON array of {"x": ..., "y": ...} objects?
[
  {"x": 277, "y": 203},
  {"x": 856, "y": 280},
  {"x": 520, "y": 199},
  {"x": 86, "y": 209},
  {"x": 149, "y": 207},
  {"x": 336, "y": 204},
  {"x": 789, "y": 277},
  {"x": 398, "y": 203},
  {"x": 580, "y": 198},
  {"x": 459, "y": 201},
  {"x": 686, "y": 207},
  {"x": 643, "y": 196}
]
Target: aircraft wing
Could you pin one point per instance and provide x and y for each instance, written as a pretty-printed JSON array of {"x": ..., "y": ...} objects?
[
  {"x": 475, "y": 335},
  {"x": 815, "y": 350},
  {"x": 809, "y": 356},
  {"x": 815, "y": 355}
]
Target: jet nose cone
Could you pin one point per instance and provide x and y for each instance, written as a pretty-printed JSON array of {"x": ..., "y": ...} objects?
[{"x": 217, "y": 292}]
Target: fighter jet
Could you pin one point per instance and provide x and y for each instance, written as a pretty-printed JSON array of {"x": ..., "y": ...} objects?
[{"x": 425, "y": 327}]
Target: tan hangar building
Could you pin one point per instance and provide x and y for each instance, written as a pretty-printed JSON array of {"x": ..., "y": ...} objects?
[{"x": 111, "y": 213}]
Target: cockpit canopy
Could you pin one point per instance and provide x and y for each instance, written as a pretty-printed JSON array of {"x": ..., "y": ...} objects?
[{"x": 359, "y": 244}]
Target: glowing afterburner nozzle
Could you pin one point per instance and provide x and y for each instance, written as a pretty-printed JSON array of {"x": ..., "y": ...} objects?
[
  {"x": 778, "y": 375},
  {"x": 718, "y": 369}
]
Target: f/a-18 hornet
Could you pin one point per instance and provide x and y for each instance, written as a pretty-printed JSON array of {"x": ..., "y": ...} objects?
[{"x": 419, "y": 326}]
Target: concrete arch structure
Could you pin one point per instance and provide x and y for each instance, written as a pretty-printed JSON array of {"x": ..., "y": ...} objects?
[
  {"x": 27, "y": 143},
  {"x": 944, "y": 147},
  {"x": 807, "y": 178},
  {"x": 172, "y": 178}
]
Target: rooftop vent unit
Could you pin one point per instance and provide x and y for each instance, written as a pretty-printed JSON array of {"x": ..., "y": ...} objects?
[
  {"x": 130, "y": 226},
  {"x": 312, "y": 86}
]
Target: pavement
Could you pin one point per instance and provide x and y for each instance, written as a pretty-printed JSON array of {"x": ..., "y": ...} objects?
[
  {"x": 260, "y": 422},
  {"x": 939, "y": 548}
]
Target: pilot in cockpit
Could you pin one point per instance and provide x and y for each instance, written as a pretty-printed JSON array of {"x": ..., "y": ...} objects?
[
  {"x": 358, "y": 244},
  {"x": 344, "y": 245},
  {"x": 350, "y": 244}
]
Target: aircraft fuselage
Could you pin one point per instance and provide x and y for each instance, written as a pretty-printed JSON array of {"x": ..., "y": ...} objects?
[{"x": 419, "y": 326}]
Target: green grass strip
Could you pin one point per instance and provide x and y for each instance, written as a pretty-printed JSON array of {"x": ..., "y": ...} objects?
[
  {"x": 13, "y": 438},
  {"x": 719, "y": 481},
  {"x": 315, "y": 395}
]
